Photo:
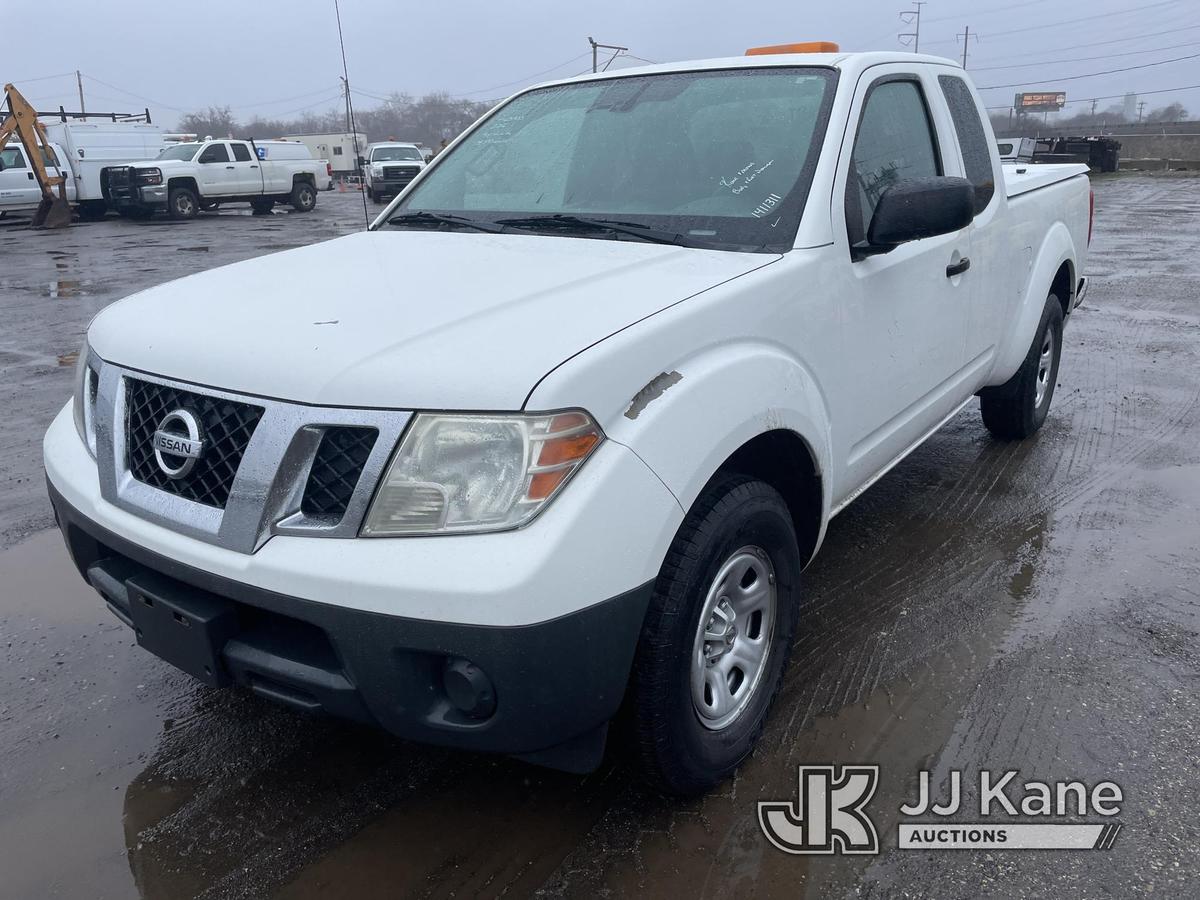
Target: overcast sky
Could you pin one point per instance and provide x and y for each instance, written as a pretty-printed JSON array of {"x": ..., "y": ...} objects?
[{"x": 276, "y": 58}]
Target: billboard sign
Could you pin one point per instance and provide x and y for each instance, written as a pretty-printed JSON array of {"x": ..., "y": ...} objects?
[{"x": 1041, "y": 101}]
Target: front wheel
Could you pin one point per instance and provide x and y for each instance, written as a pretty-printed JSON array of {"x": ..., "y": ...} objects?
[
  {"x": 716, "y": 638},
  {"x": 304, "y": 197},
  {"x": 182, "y": 203},
  {"x": 1016, "y": 409}
]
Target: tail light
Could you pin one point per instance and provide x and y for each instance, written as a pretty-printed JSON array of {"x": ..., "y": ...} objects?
[
  {"x": 329, "y": 169},
  {"x": 1091, "y": 214}
]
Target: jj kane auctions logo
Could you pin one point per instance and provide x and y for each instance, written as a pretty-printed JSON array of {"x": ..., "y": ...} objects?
[{"x": 830, "y": 814}]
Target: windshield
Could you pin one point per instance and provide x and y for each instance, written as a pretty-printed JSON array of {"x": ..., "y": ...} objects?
[
  {"x": 180, "y": 151},
  {"x": 718, "y": 159},
  {"x": 392, "y": 154}
]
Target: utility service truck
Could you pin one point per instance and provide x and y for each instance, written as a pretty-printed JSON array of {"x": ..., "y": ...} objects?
[
  {"x": 194, "y": 175},
  {"x": 686, "y": 315}
]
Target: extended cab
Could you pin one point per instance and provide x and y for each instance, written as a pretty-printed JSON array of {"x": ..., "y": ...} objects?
[
  {"x": 188, "y": 177},
  {"x": 389, "y": 167},
  {"x": 685, "y": 315}
]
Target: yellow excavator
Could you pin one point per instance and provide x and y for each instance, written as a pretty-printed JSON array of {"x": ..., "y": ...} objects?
[{"x": 22, "y": 120}]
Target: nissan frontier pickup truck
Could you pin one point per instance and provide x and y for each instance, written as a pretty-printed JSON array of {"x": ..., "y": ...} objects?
[{"x": 685, "y": 314}]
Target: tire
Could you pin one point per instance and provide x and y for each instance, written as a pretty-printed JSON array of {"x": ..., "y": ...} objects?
[
  {"x": 182, "y": 203},
  {"x": 304, "y": 197},
  {"x": 261, "y": 207},
  {"x": 686, "y": 739},
  {"x": 93, "y": 210},
  {"x": 1016, "y": 409},
  {"x": 371, "y": 195}
]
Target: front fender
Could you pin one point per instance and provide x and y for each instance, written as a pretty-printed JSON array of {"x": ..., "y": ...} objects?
[{"x": 1056, "y": 248}]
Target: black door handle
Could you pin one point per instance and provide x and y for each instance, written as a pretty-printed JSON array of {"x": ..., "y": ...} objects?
[
  {"x": 958, "y": 268},
  {"x": 230, "y": 167},
  {"x": 29, "y": 175}
]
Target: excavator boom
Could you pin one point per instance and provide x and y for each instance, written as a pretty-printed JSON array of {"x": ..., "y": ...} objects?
[{"x": 22, "y": 121}]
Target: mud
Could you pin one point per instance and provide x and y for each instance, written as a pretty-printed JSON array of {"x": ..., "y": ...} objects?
[{"x": 1032, "y": 606}]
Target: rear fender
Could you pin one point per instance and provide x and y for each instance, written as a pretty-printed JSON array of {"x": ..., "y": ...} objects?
[{"x": 1056, "y": 248}]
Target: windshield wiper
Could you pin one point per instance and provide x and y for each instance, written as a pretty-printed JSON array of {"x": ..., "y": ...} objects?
[
  {"x": 581, "y": 224},
  {"x": 424, "y": 219}
]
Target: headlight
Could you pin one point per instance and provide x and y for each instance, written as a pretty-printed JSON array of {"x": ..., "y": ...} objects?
[
  {"x": 461, "y": 473},
  {"x": 149, "y": 176},
  {"x": 84, "y": 404}
]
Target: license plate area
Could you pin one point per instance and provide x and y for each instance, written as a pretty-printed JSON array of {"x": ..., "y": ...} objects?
[{"x": 182, "y": 625}]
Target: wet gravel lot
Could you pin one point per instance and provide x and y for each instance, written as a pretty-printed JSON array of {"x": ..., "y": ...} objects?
[{"x": 1032, "y": 606}]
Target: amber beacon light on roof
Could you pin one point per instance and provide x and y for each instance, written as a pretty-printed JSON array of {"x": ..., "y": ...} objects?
[{"x": 805, "y": 47}]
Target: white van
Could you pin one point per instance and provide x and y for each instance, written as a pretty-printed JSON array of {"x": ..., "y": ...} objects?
[{"x": 91, "y": 146}]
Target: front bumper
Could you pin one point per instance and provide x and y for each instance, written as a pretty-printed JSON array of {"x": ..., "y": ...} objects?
[
  {"x": 544, "y": 692},
  {"x": 124, "y": 197}
]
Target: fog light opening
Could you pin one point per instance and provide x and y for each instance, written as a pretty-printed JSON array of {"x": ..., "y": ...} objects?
[{"x": 468, "y": 688}]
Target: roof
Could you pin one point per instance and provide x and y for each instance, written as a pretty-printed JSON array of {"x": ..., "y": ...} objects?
[{"x": 845, "y": 61}]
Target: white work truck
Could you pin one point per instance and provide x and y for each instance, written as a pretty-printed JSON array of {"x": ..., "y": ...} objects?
[
  {"x": 389, "y": 167},
  {"x": 685, "y": 315},
  {"x": 79, "y": 150},
  {"x": 192, "y": 176}
]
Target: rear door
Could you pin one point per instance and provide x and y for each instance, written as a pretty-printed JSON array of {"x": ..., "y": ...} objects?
[
  {"x": 992, "y": 288},
  {"x": 18, "y": 186},
  {"x": 218, "y": 175},
  {"x": 248, "y": 168},
  {"x": 904, "y": 317}
]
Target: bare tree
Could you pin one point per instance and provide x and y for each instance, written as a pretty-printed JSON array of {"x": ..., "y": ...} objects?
[{"x": 217, "y": 121}]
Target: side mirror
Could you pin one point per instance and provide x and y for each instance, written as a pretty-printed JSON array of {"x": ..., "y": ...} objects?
[
  {"x": 362, "y": 161},
  {"x": 917, "y": 208},
  {"x": 1, "y": 165}
]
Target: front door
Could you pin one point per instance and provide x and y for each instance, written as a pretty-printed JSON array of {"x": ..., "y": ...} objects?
[
  {"x": 904, "y": 312},
  {"x": 218, "y": 174},
  {"x": 18, "y": 186}
]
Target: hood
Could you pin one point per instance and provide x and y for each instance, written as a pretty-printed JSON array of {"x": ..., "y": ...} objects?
[{"x": 404, "y": 319}]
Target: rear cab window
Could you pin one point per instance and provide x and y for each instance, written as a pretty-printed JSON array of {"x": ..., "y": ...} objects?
[{"x": 972, "y": 138}]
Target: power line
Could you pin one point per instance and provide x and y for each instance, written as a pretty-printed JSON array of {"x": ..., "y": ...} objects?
[
  {"x": 1041, "y": 63},
  {"x": 1122, "y": 40},
  {"x": 1045, "y": 25},
  {"x": 497, "y": 87},
  {"x": 1161, "y": 62},
  {"x": 132, "y": 94}
]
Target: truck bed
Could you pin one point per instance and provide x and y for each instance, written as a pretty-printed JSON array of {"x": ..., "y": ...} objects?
[{"x": 1021, "y": 178}]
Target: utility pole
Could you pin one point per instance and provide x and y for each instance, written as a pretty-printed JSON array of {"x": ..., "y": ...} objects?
[
  {"x": 346, "y": 94},
  {"x": 912, "y": 17},
  {"x": 966, "y": 40},
  {"x": 596, "y": 47},
  {"x": 1141, "y": 106},
  {"x": 79, "y": 81}
]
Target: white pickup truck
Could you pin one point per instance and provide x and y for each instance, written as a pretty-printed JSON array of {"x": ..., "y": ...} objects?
[
  {"x": 389, "y": 167},
  {"x": 686, "y": 314},
  {"x": 188, "y": 177}
]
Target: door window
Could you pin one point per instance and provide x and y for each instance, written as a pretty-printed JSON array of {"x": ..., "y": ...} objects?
[
  {"x": 241, "y": 152},
  {"x": 214, "y": 153},
  {"x": 12, "y": 158},
  {"x": 895, "y": 141}
]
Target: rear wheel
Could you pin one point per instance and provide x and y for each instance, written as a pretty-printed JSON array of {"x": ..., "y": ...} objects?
[
  {"x": 1017, "y": 408},
  {"x": 182, "y": 203},
  {"x": 716, "y": 637},
  {"x": 304, "y": 196}
]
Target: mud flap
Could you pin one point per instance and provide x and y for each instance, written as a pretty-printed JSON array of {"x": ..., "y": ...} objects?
[{"x": 54, "y": 213}]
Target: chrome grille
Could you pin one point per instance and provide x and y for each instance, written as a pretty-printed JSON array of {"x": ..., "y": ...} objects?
[{"x": 227, "y": 428}]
